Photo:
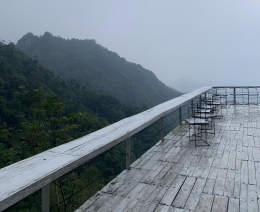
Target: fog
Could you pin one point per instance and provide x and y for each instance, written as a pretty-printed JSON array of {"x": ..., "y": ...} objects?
[{"x": 192, "y": 43}]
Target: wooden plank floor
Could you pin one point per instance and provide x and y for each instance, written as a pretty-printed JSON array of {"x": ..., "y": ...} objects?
[{"x": 176, "y": 176}]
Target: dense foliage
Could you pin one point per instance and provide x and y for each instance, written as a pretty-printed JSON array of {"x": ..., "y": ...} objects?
[
  {"x": 31, "y": 97},
  {"x": 40, "y": 111},
  {"x": 97, "y": 68}
]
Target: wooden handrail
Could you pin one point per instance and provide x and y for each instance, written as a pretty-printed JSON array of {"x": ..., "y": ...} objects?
[
  {"x": 27, "y": 176},
  {"x": 233, "y": 86}
]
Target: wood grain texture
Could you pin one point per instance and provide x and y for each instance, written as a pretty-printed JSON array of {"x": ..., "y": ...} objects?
[{"x": 222, "y": 177}]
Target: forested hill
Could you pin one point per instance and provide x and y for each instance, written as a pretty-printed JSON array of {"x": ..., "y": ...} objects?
[
  {"x": 39, "y": 111},
  {"x": 97, "y": 68}
]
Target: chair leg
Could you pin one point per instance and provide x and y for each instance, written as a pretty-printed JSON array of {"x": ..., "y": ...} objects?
[{"x": 203, "y": 139}]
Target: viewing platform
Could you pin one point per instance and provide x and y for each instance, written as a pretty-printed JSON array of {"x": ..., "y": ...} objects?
[{"x": 174, "y": 175}]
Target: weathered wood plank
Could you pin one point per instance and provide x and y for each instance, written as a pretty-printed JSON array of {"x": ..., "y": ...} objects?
[
  {"x": 205, "y": 203},
  {"x": 194, "y": 196},
  {"x": 256, "y": 154},
  {"x": 158, "y": 155},
  {"x": 173, "y": 190},
  {"x": 179, "y": 155},
  {"x": 186, "y": 161},
  {"x": 157, "y": 169},
  {"x": 244, "y": 172},
  {"x": 90, "y": 201},
  {"x": 213, "y": 173},
  {"x": 145, "y": 160},
  {"x": 220, "y": 204},
  {"x": 224, "y": 161},
  {"x": 162, "y": 208},
  {"x": 132, "y": 198},
  {"x": 206, "y": 170},
  {"x": 237, "y": 179},
  {"x": 232, "y": 158},
  {"x": 251, "y": 172},
  {"x": 220, "y": 182},
  {"x": 209, "y": 186},
  {"x": 193, "y": 166},
  {"x": 250, "y": 153},
  {"x": 130, "y": 185},
  {"x": 229, "y": 183},
  {"x": 233, "y": 205},
  {"x": 163, "y": 172},
  {"x": 110, "y": 204},
  {"x": 145, "y": 198},
  {"x": 155, "y": 198},
  {"x": 252, "y": 198},
  {"x": 243, "y": 197},
  {"x": 170, "y": 175},
  {"x": 184, "y": 192},
  {"x": 119, "y": 180},
  {"x": 244, "y": 153},
  {"x": 104, "y": 197}
]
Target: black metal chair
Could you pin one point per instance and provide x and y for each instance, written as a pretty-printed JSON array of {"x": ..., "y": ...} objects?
[
  {"x": 199, "y": 126},
  {"x": 213, "y": 102}
]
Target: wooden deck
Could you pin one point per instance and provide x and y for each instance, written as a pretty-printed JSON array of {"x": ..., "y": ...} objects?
[{"x": 176, "y": 176}]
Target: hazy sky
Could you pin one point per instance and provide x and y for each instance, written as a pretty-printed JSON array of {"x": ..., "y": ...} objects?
[{"x": 207, "y": 42}]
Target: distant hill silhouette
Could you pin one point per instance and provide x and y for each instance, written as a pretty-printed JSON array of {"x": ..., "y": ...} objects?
[{"x": 97, "y": 68}]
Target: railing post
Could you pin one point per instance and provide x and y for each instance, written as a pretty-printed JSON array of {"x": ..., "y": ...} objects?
[
  {"x": 234, "y": 93},
  {"x": 180, "y": 115},
  {"x": 128, "y": 153},
  {"x": 192, "y": 107},
  {"x": 248, "y": 96},
  {"x": 46, "y": 198},
  {"x": 162, "y": 130}
]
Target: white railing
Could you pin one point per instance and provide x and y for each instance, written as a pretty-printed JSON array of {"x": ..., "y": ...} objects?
[
  {"x": 240, "y": 94},
  {"x": 21, "y": 179}
]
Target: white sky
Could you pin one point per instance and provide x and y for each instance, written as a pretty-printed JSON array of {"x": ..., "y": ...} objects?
[{"x": 207, "y": 42}]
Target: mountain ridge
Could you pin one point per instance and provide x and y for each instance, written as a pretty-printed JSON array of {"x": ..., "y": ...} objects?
[{"x": 97, "y": 68}]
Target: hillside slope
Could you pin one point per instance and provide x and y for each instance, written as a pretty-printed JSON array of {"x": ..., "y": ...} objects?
[
  {"x": 30, "y": 93},
  {"x": 39, "y": 111},
  {"x": 97, "y": 68}
]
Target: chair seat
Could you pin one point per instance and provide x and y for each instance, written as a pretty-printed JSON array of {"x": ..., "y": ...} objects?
[
  {"x": 213, "y": 103},
  {"x": 203, "y": 111},
  {"x": 220, "y": 95},
  {"x": 205, "y": 107},
  {"x": 204, "y": 116},
  {"x": 213, "y": 98},
  {"x": 196, "y": 121}
]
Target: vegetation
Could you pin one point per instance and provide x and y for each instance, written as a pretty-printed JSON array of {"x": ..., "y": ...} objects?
[
  {"x": 40, "y": 110},
  {"x": 97, "y": 68},
  {"x": 33, "y": 100}
]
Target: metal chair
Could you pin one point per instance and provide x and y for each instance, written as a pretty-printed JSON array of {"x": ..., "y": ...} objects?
[{"x": 199, "y": 126}]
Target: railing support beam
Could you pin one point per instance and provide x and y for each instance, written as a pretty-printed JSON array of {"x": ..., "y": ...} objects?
[
  {"x": 162, "y": 130},
  {"x": 192, "y": 108},
  {"x": 180, "y": 115},
  {"x": 248, "y": 96},
  {"x": 128, "y": 153},
  {"x": 234, "y": 93},
  {"x": 46, "y": 198}
]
